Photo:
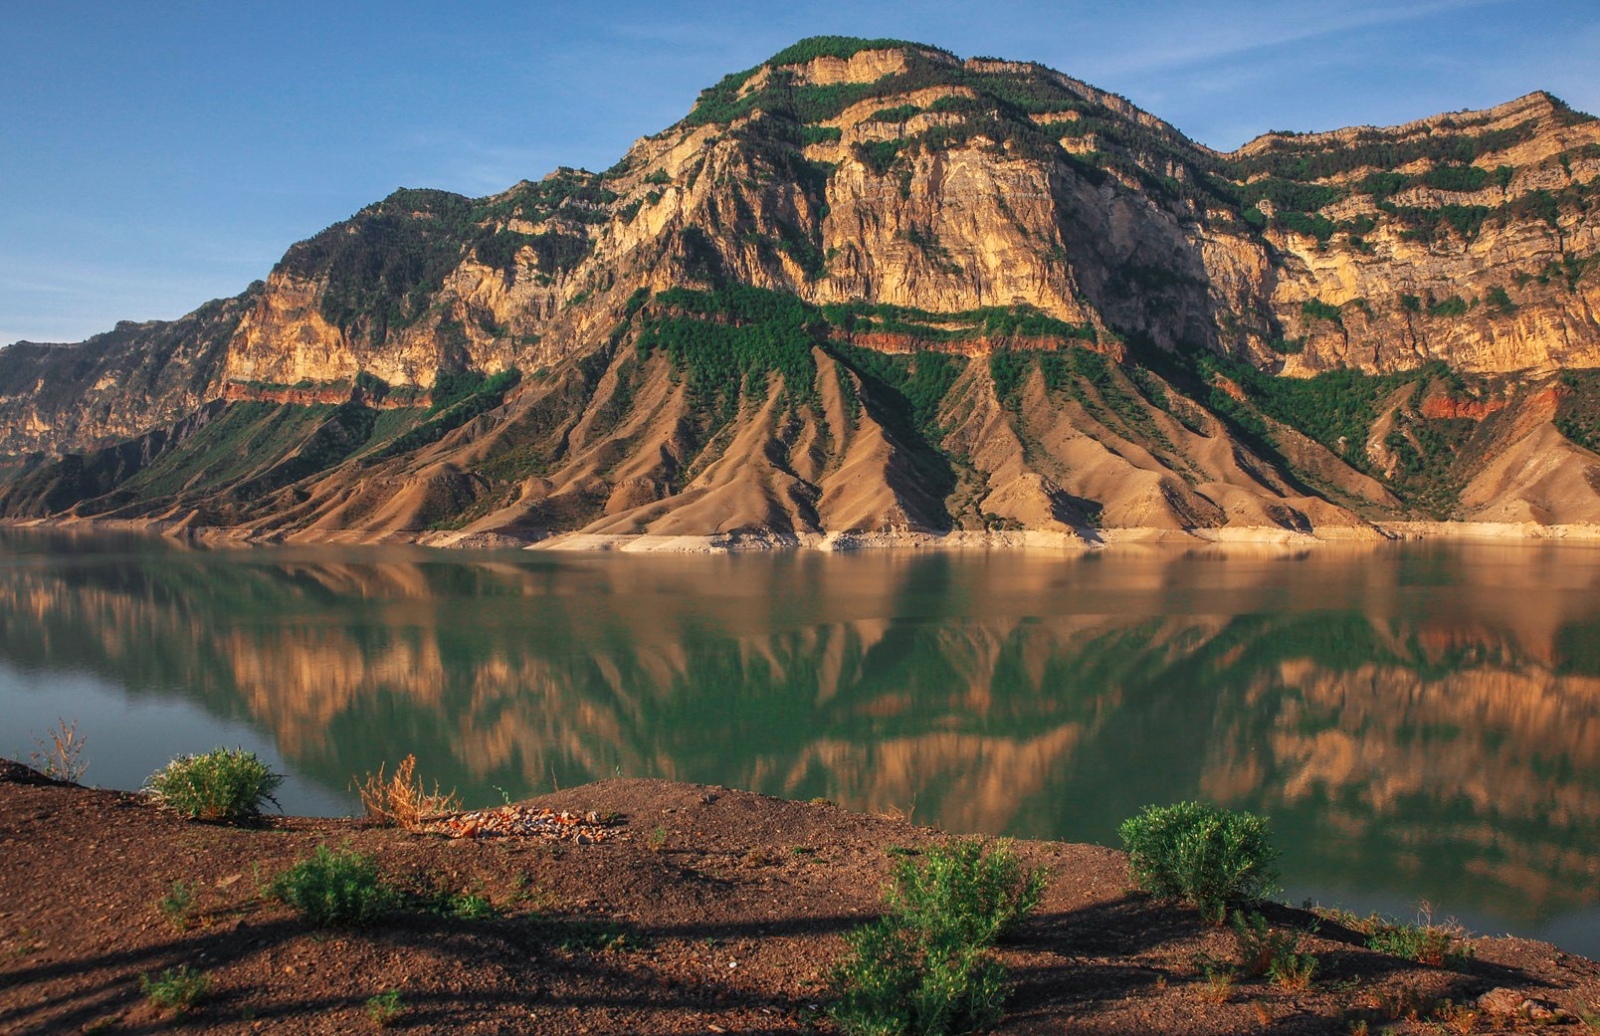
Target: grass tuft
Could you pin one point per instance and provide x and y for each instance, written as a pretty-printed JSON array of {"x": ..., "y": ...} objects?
[
  {"x": 582, "y": 935},
  {"x": 177, "y": 990},
  {"x": 62, "y": 758},
  {"x": 1436, "y": 945},
  {"x": 1218, "y": 987},
  {"x": 1275, "y": 954},
  {"x": 468, "y": 906},
  {"x": 177, "y": 906},
  {"x": 386, "y": 1009},
  {"x": 1293, "y": 970}
]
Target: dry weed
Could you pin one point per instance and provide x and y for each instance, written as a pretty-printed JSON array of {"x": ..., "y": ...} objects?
[
  {"x": 1403, "y": 1003},
  {"x": 401, "y": 800},
  {"x": 1217, "y": 987},
  {"x": 62, "y": 758}
]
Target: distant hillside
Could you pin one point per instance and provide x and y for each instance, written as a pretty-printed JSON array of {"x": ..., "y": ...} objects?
[{"x": 869, "y": 288}]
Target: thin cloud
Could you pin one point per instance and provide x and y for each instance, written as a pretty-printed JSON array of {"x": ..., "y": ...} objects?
[
  {"x": 1237, "y": 37},
  {"x": 676, "y": 35},
  {"x": 63, "y": 301}
]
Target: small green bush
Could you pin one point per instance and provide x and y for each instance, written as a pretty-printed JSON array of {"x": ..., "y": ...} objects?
[
  {"x": 962, "y": 893},
  {"x": 227, "y": 784},
  {"x": 893, "y": 984},
  {"x": 176, "y": 989},
  {"x": 1256, "y": 945},
  {"x": 177, "y": 906},
  {"x": 469, "y": 906},
  {"x": 1316, "y": 309},
  {"x": 1276, "y": 954},
  {"x": 386, "y": 1008},
  {"x": 924, "y": 968},
  {"x": 1293, "y": 970},
  {"x": 335, "y": 888},
  {"x": 452, "y": 902},
  {"x": 1499, "y": 300},
  {"x": 1201, "y": 855},
  {"x": 1434, "y": 945}
]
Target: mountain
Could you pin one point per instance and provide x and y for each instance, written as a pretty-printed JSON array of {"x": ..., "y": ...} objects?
[{"x": 868, "y": 289}]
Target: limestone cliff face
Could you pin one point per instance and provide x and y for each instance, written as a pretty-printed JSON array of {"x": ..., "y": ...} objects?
[
  {"x": 911, "y": 203},
  {"x": 118, "y": 385},
  {"x": 1457, "y": 238}
]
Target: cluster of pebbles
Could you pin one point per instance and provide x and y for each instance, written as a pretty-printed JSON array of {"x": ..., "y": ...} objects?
[{"x": 524, "y": 822}]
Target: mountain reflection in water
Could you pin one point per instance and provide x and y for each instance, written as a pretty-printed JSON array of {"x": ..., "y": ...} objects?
[{"x": 1420, "y": 721}]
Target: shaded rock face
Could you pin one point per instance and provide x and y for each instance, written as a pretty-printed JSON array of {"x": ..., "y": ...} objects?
[
  {"x": 1096, "y": 324},
  {"x": 117, "y": 385}
]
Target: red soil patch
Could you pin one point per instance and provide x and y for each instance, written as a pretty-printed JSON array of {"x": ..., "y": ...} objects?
[{"x": 1442, "y": 407}]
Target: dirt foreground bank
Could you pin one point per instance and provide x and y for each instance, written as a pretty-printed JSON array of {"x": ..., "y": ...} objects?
[{"x": 696, "y": 910}]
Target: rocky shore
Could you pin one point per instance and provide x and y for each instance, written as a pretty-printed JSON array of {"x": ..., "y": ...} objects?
[{"x": 1087, "y": 539}]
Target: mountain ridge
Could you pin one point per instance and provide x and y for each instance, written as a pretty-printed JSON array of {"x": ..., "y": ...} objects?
[{"x": 872, "y": 289}]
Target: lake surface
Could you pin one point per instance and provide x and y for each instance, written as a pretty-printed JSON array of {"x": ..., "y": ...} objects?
[{"x": 1421, "y": 722}]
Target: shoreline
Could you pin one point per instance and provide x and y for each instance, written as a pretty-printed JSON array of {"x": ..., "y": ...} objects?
[{"x": 1084, "y": 541}]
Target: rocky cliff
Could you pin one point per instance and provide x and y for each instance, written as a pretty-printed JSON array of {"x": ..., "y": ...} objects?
[{"x": 867, "y": 287}]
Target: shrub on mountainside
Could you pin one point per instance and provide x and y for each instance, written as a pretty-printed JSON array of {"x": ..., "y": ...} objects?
[
  {"x": 1202, "y": 855},
  {"x": 924, "y": 968},
  {"x": 228, "y": 785},
  {"x": 335, "y": 889}
]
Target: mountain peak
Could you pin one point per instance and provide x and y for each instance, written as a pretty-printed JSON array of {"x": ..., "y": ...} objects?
[
  {"x": 817, "y": 80},
  {"x": 843, "y": 48}
]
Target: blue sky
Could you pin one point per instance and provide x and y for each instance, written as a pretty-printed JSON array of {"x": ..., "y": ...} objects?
[{"x": 158, "y": 154}]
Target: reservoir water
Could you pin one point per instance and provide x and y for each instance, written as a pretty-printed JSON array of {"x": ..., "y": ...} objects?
[{"x": 1420, "y": 721}]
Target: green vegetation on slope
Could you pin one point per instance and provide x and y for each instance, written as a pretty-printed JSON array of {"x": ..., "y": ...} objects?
[
  {"x": 384, "y": 264},
  {"x": 1578, "y": 409},
  {"x": 728, "y": 341},
  {"x": 245, "y": 440},
  {"x": 842, "y": 47},
  {"x": 466, "y": 395},
  {"x": 988, "y": 322},
  {"x": 1335, "y": 408},
  {"x": 915, "y": 384},
  {"x": 1001, "y": 116},
  {"x": 1297, "y": 159}
]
